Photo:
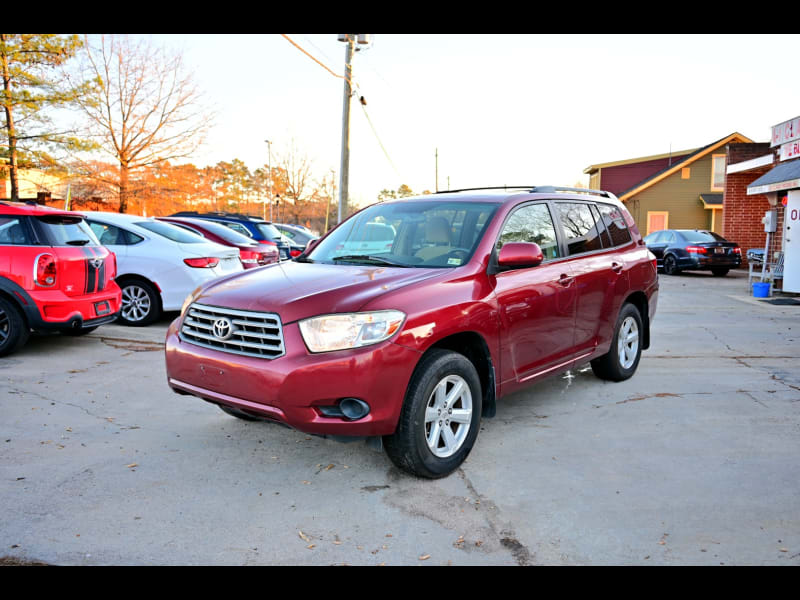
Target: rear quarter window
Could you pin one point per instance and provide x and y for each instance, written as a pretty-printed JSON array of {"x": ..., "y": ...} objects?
[{"x": 615, "y": 224}]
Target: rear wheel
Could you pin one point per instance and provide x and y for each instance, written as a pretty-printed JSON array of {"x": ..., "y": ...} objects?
[
  {"x": 719, "y": 272},
  {"x": 14, "y": 330},
  {"x": 440, "y": 418},
  {"x": 671, "y": 265},
  {"x": 626, "y": 347},
  {"x": 140, "y": 305}
]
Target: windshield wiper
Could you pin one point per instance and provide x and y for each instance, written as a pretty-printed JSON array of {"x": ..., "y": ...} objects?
[
  {"x": 371, "y": 259},
  {"x": 78, "y": 242}
]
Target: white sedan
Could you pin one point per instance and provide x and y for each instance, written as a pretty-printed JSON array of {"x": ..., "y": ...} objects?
[{"x": 158, "y": 264}]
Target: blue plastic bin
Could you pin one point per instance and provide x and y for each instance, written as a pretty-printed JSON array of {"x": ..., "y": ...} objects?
[{"x": 761, "y": 290}]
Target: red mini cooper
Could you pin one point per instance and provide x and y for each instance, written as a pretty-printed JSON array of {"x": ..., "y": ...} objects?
[
  {"x": 54, "y": 275},
  {"x": 477, "y": 294}
]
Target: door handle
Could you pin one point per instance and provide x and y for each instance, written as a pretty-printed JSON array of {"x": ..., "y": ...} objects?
[
  {"x": 616, "y": 267},
  {"x": 565, "y": 280}
]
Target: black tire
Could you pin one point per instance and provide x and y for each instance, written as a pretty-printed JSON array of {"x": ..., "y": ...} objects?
[
  {"x": 239, "y": 414},
  {"x": 719, "y": 272},
  {"x": 140, "y": 303},
  {"x": 671, "y": 265},
  {"x": 14, "y": 330},
  {"x": 441, "y": 375},
  {"x": 622, "y": 359}
]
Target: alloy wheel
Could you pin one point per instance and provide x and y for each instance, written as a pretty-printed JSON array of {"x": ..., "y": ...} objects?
[
  {"x": 448, "y": 416},
  {"x": 136, "y": 303},
  {"x": 628, "y": 342}
]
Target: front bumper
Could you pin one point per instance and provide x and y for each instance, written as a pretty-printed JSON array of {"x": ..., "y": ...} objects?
[{"x": 293, "y": 388}]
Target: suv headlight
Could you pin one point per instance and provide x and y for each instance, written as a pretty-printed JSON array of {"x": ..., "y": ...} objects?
[{"x": 350, "y": 330}]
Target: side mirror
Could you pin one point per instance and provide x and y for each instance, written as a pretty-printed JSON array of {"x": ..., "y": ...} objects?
[{"x": 514, "y": 255}]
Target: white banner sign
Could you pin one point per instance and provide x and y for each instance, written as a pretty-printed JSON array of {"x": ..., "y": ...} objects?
[
  {"x": 790, "y": 150},
  {"x": 786, "y": 132}
]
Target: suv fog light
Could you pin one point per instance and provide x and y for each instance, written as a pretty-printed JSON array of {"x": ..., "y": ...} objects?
[{"x": 351, "y": 409}]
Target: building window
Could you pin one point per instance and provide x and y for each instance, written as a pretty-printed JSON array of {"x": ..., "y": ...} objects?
[
  {"x": 717, "y": 172},
  {"x": 686, "y": 173}
]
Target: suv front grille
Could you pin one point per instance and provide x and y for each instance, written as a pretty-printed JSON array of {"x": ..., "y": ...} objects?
[{"x": 237, "y": 331}]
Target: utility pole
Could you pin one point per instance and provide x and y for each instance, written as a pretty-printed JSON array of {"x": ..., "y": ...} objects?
[
  {"x": 344, "y": 172},
  {"x": 269, "y": 178},
  {"x": 436, "y": 168}
]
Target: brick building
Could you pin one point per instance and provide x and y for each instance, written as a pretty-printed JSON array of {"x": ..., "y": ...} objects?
[{"x": 742, "y": 214}]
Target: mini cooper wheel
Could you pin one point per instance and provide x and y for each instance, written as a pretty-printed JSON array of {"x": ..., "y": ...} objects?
[
  {"x": 626, "y": 347},
  {"x": 14, "y": 331},
  {"x": 440, "y": 418},
  {"x": 139, "y": 304}
]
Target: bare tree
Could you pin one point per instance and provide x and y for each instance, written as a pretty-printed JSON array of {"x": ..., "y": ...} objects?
[
  {"x": 145, "y": 109},
  {"x": 293, "y": 174}
]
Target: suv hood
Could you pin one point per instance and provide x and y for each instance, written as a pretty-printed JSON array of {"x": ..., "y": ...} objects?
[{"x": 300, "y": 290}]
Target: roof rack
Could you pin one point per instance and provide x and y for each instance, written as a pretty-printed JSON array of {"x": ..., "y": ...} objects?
[{"x": 538, "y": 189}]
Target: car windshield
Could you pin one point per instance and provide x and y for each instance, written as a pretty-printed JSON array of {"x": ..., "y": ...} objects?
[
  {"x": 171, "y": 232},
  {"x": 408, "y": 234},
  {"x": 700, "y": 236}
]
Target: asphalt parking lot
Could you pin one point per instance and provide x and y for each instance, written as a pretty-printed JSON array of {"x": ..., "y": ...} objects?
[{"x": 693, "y": 461}]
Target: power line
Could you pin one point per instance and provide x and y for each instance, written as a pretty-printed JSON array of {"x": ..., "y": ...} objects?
[{"x": 304, "y": 51}]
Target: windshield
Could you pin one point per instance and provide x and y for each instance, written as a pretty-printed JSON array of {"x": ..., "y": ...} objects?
[
  {"x": 408, "y": 234},
  {"x": 171, "y": 232},
  {"x": 701, "y": 236}
]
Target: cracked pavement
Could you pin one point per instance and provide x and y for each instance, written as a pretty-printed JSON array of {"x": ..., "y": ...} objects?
[{"x": 693, "y": 461}]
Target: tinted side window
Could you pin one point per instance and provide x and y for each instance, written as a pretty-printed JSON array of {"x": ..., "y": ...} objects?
[
  {"x": 605, "y": 238},
  {"x": 13, "y": 231},
  {"x": 578, "y": 226},
  {"x": 531, "y": 223},
  {"x": 615, "y": 223},
  {"x": 109, "y": 235}
]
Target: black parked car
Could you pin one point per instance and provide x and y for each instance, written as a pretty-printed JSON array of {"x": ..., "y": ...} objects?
[{"x": 677, "y": 250}]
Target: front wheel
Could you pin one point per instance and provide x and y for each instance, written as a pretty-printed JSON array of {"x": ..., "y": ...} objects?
[
  {"x": 626, "y": 347},
  {"x": 440, "y": 418}
]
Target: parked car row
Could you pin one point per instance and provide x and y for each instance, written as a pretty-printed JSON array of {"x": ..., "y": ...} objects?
[{"x": 72, "y": 272}]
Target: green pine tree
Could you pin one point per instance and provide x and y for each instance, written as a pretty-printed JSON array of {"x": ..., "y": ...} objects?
[{"x": 32, "y": 89}]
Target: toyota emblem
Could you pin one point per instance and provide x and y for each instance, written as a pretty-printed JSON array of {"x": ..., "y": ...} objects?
[{"x": 222, "y": 328}]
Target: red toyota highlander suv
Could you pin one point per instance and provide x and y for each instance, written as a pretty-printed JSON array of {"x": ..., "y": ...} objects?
[
  {"x": 54, "y": 275},
  {"x": 478, "y": 294}
]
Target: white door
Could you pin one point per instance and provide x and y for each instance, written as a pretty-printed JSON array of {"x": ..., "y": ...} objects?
[{"x": 791, "y": 245}]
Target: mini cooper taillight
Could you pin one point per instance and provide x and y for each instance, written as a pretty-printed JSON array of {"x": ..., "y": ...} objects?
[
  {"x": 208, "y": 262},
  {"x": 45, "y": 270}
]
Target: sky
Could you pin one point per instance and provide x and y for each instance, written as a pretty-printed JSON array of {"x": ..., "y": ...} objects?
[{"x": 450, "y": 111}]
